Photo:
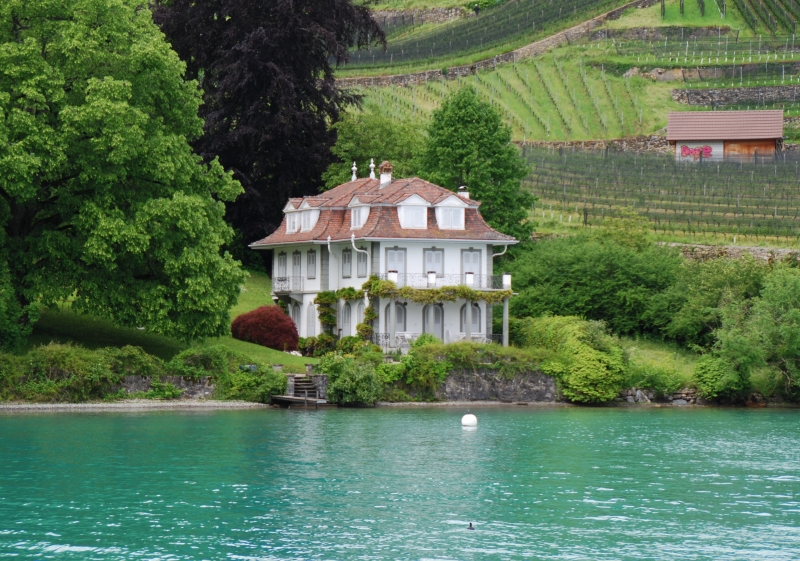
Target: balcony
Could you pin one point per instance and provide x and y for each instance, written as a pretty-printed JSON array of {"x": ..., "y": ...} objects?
[
  {"x": 403, "y": 339},
  {"x": 287, "y": 284},
  {"x": 421, "y": 280}
]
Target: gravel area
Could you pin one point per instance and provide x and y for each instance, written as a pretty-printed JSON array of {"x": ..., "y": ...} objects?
[{"x": 130, "y": 405}]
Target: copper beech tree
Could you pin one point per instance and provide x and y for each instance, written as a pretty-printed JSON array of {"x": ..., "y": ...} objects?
[{"x": 266, "y": 71}]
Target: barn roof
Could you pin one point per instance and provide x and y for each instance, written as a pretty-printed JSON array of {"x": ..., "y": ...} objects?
[{"x": 725, "y": 125}]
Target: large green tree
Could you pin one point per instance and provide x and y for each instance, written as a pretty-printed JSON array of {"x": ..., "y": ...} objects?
[
  {"x": 468, "y": 144},
  {"x": 101, "y": 196},
  {"x": 370, "y": 134}
]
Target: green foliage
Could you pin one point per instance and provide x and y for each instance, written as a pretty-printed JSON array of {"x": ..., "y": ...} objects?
[
  {"x": 691, "y": 308},
  {"x": 350, "y": 381},
  {"x": 348, "y": 344},
  {"x": 468, "y": 144},
  {"x": 162, "y": 390},
  {"x": 318, "y": 346},
  {"x": 371, "y": 134},
  {"x": 598, "y": 279},
  {"x": 387, "y": 289},
  {"x": 715, "y": 378},
  {"x": 590, "y": 363},
  {"x": 326, "y": 311},
  {"x": 223, "y": 366},
  {"x": 16, "y": 321},
  {"x": 109, "y": 203},
  {"x": 661, "y": 379}
]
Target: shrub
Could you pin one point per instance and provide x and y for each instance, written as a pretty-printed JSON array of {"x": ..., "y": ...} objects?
[
  {"x": 133, "y": 361},
  {"x": 350, "y": 382},
  {"x": 162, "y": 390},
  {"x": 349, "y": 344},
  {"x": 223, "y": 366},
  {"x": 16, "y": 322},
  {"x": 660, "y": 379},
  {"x": 715, "y": 378},
  {"x": 590, "y": 363},
  {"x": 57, "y": 373},
  {"x": 267, "y": 326},
  {"x": 594, "y": 278},
  {"x": 318, "y": 346}
]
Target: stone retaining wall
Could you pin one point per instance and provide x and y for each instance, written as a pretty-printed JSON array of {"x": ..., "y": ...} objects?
[
  {"x": 490, "y": 385},
  {"x": 683, "y": 396},
  {"x": 713, "y": 97},
  {"x": 536, "y": 48},
  {"x": 654, "y": 143},
  {"x": 390, "y": 18},
  {"x": 201, "y": 388},
  {"x": 700, "y": 252}
]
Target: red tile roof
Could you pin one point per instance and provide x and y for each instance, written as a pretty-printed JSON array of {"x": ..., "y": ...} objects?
[
  {"x": 383, "y": 221},
  {"x": 725, "y": 125}
]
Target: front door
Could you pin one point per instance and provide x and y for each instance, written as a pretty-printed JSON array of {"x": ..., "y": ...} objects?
[{"x": 396, "y": 261}]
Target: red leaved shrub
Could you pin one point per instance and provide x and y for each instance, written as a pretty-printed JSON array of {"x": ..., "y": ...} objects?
[{"x": 268, "y": 326}]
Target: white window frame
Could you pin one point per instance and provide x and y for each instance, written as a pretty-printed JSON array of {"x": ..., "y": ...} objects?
[
  {"x": 297, "y": 264},
  {"x": 347, "y": 263},
  {"x": 450, "y": 218},
  {"x": 291, "y": 222},
  {"x": 361, "y": 260},
  {"x": 311, "y": 264},
  {"x": 282, "y": 264},
  {"x": 476, "y": 318},
  {"x": 425, "y": 252}
]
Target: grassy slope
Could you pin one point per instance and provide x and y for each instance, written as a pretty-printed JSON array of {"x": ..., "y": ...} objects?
[
  {"x": 664, "y": 355},
  {"x": 64, "y": 326}
]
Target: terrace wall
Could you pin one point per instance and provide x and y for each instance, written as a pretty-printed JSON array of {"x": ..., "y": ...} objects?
[
  {"x": 390, "y": 18},
  {"x": 714, "y": 97},
  {"x": 641, "y": 144},
  {"x": 580, "y": 31}
]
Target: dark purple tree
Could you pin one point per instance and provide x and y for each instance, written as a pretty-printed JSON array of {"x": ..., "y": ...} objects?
[{"x": 266, "y": 69}]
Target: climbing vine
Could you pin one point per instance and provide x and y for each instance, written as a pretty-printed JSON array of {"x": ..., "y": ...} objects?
[{"x": 375, "y": 287}]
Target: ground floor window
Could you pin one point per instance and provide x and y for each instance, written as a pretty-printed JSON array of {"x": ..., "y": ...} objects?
[
  {"x": 435, "y": 316},
  {"x": 476, "y": 318},
  {"x": 400, "y": 318}
]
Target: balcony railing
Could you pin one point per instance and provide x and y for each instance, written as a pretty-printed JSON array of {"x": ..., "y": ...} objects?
[
  {"x": 287, "y": 284},
  {"x": 420, "y": 280},
  {"x": 403, "y": 339}
]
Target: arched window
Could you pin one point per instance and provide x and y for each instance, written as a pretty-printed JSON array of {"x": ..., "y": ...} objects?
[
  {"x": 400, "y": 318},
  {"x": 436, "y": 328},
  {"x": 311, "y": 321},
  {"x": 476, "y": 318},
  {"x": 296, "y": 316},
  {"x": 360, "y": 313},
  {"x": 346, "y": 313}
]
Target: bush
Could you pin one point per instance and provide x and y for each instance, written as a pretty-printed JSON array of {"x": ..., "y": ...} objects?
[
  {"x": 351, "y": 382},
  {"x": 267, "y": 326},
  {"x": 318, "y": 346},
  {"x": 57, "y": 373},
  {"x": 16, "y": 323},
  {"x": 715, "y": 378},
  {"x": 349, "y": 344},
  {"x": 590, "y": 363},
  {"x": 594, "y": 278},
  {"x": 662, "y": 380},
  {"x": 223, "y": 366}
]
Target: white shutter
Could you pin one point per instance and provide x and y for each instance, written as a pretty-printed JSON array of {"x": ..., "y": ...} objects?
[{"x": 429, "y": 261}]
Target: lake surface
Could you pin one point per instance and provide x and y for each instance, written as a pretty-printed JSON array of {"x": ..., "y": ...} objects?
[{"x": 560, "y": 483}]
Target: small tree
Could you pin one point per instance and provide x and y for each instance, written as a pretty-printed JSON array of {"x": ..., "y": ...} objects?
[
  {"x": 369, "y": 134},
  {"x": 268, "y": 326},
  {"x": 468, "y": 144}
]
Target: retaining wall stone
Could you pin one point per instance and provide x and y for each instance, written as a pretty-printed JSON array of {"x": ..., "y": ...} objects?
[
  {"x": 700, "y": 252},
  {"x": 720, "y": 97},
  {"x": 490, "y": 385},
  {"x": 390, "y": 18},
  {"x": 200, "y": 388}
]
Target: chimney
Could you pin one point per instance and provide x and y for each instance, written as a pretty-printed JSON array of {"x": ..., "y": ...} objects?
[
  {"x": 462, "y": 192},
  {"x": 386, "y": 174}
]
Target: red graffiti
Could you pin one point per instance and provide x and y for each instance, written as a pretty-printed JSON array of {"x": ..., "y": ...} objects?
[{"x": 705, "y": 151}]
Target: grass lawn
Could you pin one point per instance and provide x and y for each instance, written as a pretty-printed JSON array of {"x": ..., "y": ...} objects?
[
  {"x": 64, "y": 326},
  {"x": 662, "y": 354}
]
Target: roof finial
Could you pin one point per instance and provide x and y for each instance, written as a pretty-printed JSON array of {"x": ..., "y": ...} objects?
[
  {"x": 355, "y": 169},
  {"x": 372, "y": 168}
]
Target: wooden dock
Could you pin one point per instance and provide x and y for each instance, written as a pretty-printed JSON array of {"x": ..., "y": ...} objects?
[{"x": 299, "y": 402}]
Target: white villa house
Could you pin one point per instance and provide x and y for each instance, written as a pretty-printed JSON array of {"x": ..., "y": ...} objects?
[{"x": 405, "y": 230}]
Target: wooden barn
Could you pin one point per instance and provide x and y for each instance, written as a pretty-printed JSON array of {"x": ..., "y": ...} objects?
[{"x": 718, "y": 135}]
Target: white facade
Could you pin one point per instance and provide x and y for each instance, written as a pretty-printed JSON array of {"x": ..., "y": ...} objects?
[{"x": 304, "y": 270}]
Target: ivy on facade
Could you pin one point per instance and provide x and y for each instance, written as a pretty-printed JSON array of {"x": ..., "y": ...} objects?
[{"x": 375, "y": 287}]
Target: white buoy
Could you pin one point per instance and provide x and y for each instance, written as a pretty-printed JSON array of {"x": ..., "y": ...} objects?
[{"x": 469, "y": 420}]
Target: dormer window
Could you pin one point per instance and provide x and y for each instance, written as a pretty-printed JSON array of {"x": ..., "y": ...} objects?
[
  {"x": 413, "y": 213},
  {"x": 358, "y": 217},
  {"x": 450, "y": 218},
  {"x": 309, "y": 219},
  {"x": 291, "y": 223}
]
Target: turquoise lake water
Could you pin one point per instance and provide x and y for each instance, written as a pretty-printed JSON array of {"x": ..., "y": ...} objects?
[{"x": 537, "y": 483}]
